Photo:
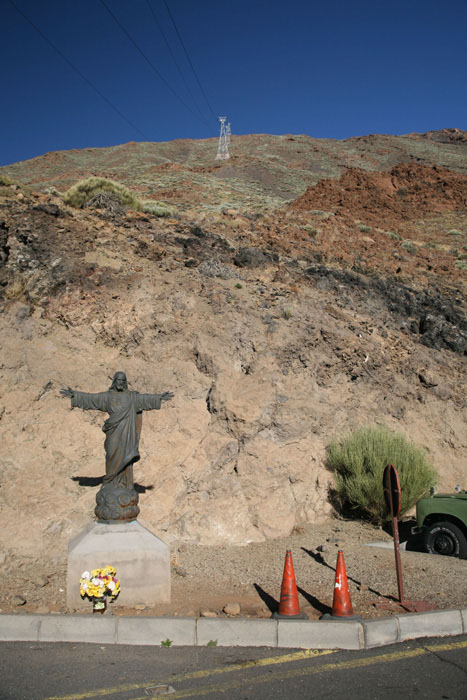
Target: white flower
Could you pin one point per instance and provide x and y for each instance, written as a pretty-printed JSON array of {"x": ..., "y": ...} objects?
[
  {"x": 84, "y": 586},
  {"x": 95, "y": 581},
  {"x": 111, "y": 585},
  {"x": 101, "y": 583},
  {"x": 86, "y": 574}
]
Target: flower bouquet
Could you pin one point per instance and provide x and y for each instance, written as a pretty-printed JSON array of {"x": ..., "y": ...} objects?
[{"x": 99, "y": 584}]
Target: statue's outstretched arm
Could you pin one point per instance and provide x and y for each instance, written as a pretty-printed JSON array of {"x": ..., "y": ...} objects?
[
  {"x": 81, "y": 399},
  {"x": 149, "y": 402},
  {"x": 67, "y": 393}
]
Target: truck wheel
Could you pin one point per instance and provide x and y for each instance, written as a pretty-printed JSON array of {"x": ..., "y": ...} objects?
[{"x": 446, "y": 538}]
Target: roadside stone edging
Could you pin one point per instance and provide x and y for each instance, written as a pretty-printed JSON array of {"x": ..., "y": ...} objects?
[{"x": 203, "y": 632}]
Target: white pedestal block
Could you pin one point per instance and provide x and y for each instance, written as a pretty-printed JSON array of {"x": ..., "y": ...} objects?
[{"x": 142, "y": 561}]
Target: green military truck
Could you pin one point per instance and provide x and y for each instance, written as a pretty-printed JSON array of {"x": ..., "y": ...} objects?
[{"x": 442, "y": 520}]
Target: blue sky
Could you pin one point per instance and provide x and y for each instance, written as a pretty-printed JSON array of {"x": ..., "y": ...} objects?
[{"x": 326, "y": 69}]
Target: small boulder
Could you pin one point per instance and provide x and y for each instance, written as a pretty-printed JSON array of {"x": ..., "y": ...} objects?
[
  {"x": 232, "y": 609},
  {"x": 41, "y": 581},
  {"x": 18, "y": 600},
  {"x": 254, "y": 257},
  {"x": 50, "y": 209}
]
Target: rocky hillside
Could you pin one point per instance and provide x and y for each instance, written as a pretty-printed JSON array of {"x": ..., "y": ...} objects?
[
  {"x": 263, "y": 172},
  {"x": 338, "y": 302}
]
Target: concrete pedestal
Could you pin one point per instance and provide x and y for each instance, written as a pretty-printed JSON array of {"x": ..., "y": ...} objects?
[{"x": 142, "y": 561}]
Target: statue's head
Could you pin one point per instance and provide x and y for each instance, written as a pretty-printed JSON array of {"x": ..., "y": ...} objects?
[{"x": 119, "y": 382}]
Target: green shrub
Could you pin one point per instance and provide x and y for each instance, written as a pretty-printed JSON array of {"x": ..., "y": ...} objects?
[
  {"x": 6, "y": 181},
  {"x": 79, "y": 195},
  {"x": 409, "y": 246},
  {"x": 461, "y": 264},
  {"x": 394, "y": 236},
  {"x": 149, "y": 206},
  {"x": 311, "y": 231},
  {"x": 363, "y": 228},
  {"x": 8, "y": 186},
  {"x": 454, "y": 232},
  {"x": 84, "y": 191},
  {"x": 52, "y": 190},
  {"x": 358, "y": 462}
]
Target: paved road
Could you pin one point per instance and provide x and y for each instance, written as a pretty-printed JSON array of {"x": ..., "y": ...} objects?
[{"x": 433, "y": 669}]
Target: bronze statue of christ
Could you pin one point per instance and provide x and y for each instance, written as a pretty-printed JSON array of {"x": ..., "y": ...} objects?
[{"x": 117, "y": 500}]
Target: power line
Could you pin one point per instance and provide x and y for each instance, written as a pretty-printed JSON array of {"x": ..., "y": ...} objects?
[
  {"x": 189, "y": 60},
  {"x": 159, "y": 26},
  {"x": 83, "y": 77},
  {"x": 159, "y": 75}
]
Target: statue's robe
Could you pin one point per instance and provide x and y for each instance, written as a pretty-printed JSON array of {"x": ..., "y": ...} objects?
[{"x": 122, "y": 428}]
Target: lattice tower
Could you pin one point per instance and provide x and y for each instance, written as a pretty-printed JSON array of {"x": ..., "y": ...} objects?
[{"x": 223, "y": 148}]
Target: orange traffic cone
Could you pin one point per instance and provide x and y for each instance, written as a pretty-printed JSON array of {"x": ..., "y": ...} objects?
[
  {"x": 288, "y": 606},
  {"x": 341, "y": 603}
]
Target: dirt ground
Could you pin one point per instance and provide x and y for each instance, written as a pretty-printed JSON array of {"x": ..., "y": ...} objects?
[{"x": 206, "y": 579}]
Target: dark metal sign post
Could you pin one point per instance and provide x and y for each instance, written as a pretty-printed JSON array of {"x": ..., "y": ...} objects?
[{"x": 392, "y": 496}]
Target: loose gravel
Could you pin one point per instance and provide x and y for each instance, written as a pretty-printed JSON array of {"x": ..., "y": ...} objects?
[{"x": 247, "y": 580}]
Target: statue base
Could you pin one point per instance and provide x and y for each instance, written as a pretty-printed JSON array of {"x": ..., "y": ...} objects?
[
  {"x": 116, "y": 503},
  {"x": 142, "y": 561}
]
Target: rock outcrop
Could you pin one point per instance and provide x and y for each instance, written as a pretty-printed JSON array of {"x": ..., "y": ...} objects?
[{"x": 276, "y": 332}]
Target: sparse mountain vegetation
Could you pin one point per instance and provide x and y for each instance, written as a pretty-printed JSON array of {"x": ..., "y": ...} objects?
[
  {"x": 85, "y": 191},
  {"x": 409, "y": 246},
  {"x": 155, "y": 208},
  {"x": 358, "y": 462},
  {"x": 6, "y": 181},
  {"x": 80, "y": 194}
]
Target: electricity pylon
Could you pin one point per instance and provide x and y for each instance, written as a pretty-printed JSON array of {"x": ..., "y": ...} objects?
[{"x": 223, "y": 148}]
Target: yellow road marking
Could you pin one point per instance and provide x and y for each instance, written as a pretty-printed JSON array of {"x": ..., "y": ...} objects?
[
  {"x": 446, "y": 647},
  {"x": 355, "y": 663},
  {"x": 310, "y": 671},
  {"x": 269, "y": 661}
]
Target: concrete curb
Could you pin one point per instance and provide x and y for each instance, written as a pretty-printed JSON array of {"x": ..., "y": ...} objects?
[{"x": 189, "y": 631}]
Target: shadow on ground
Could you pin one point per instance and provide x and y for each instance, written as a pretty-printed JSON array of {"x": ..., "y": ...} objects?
[
  {"x": 320, "y": 560},
  {"x": 273, "y": 604},
  {"x": 413, "y": 542}
]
